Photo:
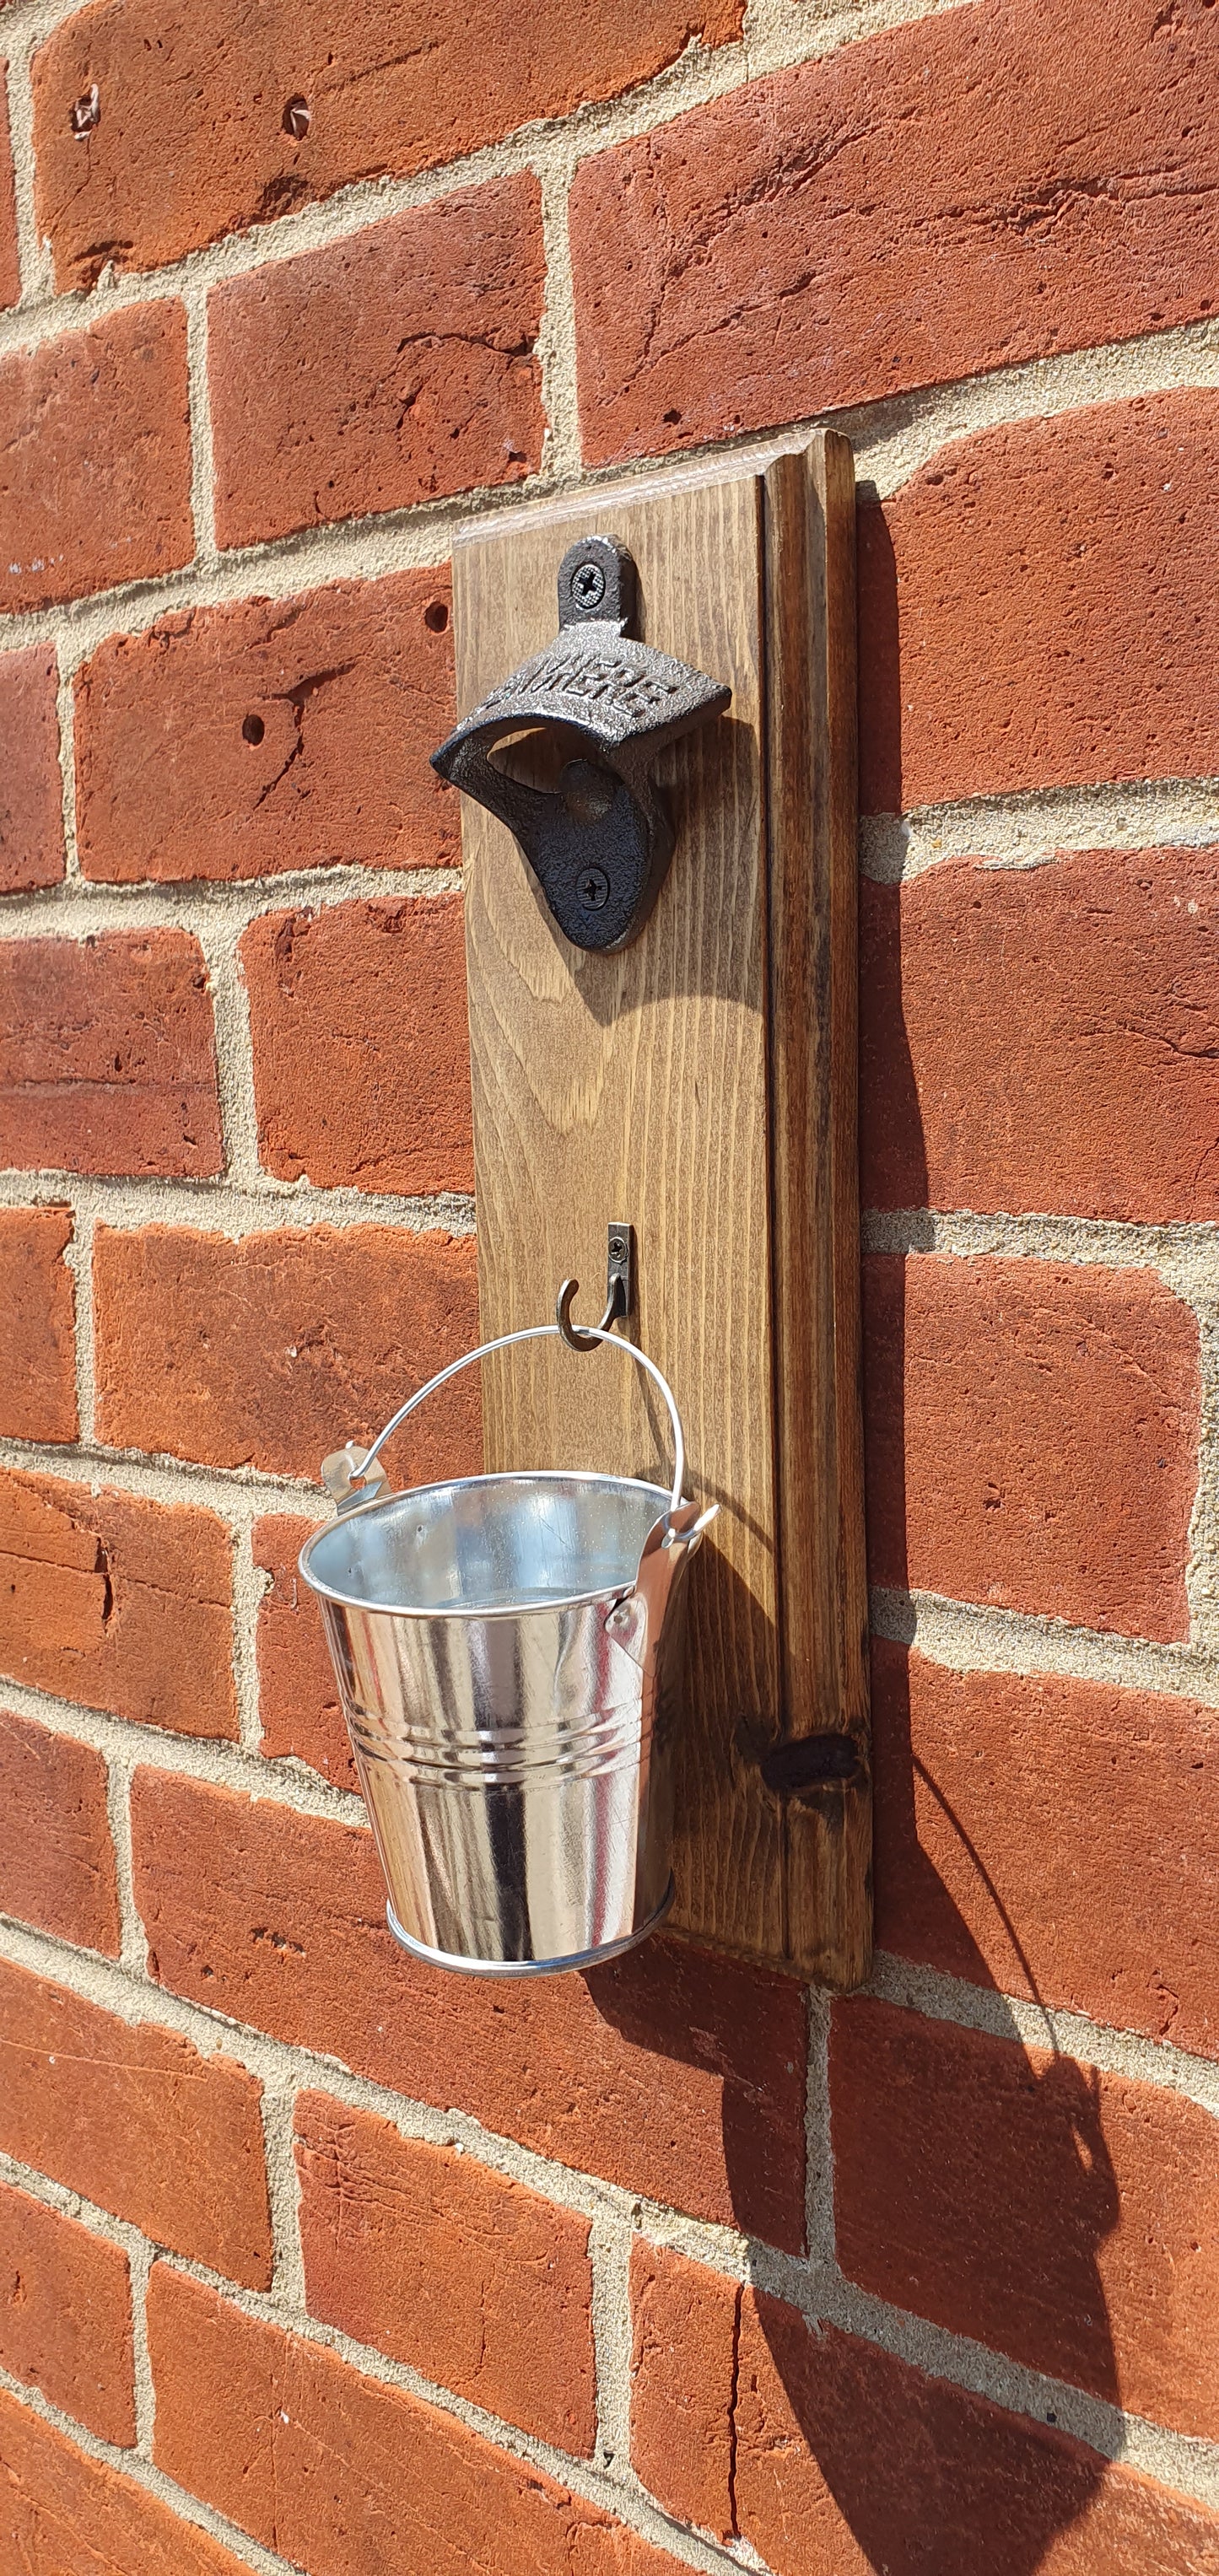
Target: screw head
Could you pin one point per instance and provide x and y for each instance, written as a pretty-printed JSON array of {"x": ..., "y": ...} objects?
[
  {"x": 588, "y": 585},
  {"x": 86, "y": 113},
  {"x": 593, "y": 889}
]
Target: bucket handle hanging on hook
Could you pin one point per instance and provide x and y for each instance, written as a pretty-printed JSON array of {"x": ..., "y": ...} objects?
[{"x": 340, "y": 1470}]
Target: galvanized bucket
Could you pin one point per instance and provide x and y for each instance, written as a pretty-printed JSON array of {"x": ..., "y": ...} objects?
[{"x": 508, "y": 1652}]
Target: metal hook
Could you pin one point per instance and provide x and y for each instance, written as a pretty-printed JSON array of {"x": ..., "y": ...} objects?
[{"x": 619, "y": 1283}]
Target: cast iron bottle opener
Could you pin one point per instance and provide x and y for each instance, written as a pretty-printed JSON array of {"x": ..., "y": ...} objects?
[{"x": 600, "y": 845}]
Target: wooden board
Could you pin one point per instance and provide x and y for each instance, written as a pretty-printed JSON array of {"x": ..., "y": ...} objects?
[{"x": 702, "y": 1086}]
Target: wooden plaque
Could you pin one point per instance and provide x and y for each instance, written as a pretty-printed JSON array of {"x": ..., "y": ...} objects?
[{"x": 701, "y": 1085}]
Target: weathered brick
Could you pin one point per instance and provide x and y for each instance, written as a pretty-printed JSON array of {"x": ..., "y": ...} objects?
[
  {"x": 57, "y": 1866},
  {"x": 31, "y": 789},
  {"x": 1036, "y": 604},
  {"x": 685, "y": 2340},
  {"x": 361, "y": 1045},
  {"x": 109, "y": 406},
  {"x": 1065, "y": 2216},
  {"x": 1045, "y": 1038},
  {"x": 269, "y": 734},
  {"x": 833, "y": 2458},
  {"x": 255, "y": 2420},
  {"x": 1031, "y": 1432},
  {"x": 674, "y": 2074},
  {"x": 868, "y": 222},
  {"x": 1051, "y": 1837},
  {"x": 194, "y": 139},
  {"x": 65, "y": 2315},
  {"x": 117, "y": 1602},
  {"x": 848, "y": 2460},
  {"x": 107, "y": 1055},
  {"x": 265, "y": 1351},
  {"x": 37, "y": 1325},
  {"x": 64, "y": 2512},
  {"x": 10, "y": 263},
  {"x": 133, "y": 2117},
  {"x": 298, "y": 1700},
  {"x": 483, "y": 2287},
  {"x": 395, "y": 367}
]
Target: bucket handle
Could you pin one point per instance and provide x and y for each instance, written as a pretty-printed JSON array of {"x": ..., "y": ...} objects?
[{"x": 504, "y": 1342}]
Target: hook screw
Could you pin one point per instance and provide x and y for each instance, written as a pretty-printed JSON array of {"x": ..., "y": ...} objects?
[{"x": 619, "y": 1286}]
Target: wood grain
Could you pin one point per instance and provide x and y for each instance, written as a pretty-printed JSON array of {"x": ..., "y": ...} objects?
[
  {"x": 812, "y": 835},
  {"x": 641, "y": 1087}
]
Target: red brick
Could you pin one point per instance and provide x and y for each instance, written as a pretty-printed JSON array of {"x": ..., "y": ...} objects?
[
  {"x": 361, "y": 1045},
  {"x": 674, "y": 2074},
  {"x": 10, "y": 264},
  {"x": 869, "y": 222},
  {"x": 685, "y": 2342},
  {"x": 481, "y": 2286},
  {"x": 273, "y": 1350},
  {"x": 37, "y": 1325},
  {"x": 1036, "y": 605},
  {"x": 117, "y": 1602},
  {"x": 1051, "y": 1837},
  {"x": 214, "y": 89},
  {"x": 65, "y": 2315},
  {"x": 31, "y": 789},
  {"x": 109, "y": 408},
  {"x": 345, "y": 691},
  {"x": 137, "y": 2120},
  {"x": 848, "y": 2460},
  {"x": 345, "y": 2476},
  {"x": 56, "y": 1859},
  {"x": 833, "y": 2458},
  {"x": 394, "y": 367},
  {"x": 1045, "y": 1038},
  {"x": 108, "y": 1059},
  {"x": 1031, "y": 1433},
  {"x": 1065, "y": 2216},
  {"x": 63, "y": 2514},
  {"x": 298, "y": 1700}
]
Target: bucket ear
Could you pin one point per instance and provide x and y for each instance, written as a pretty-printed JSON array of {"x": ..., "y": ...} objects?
[
  {"x": 682, "y": 1528},
  {"x": 668, "y": 1548},
  {"x": 341, "y": 1472},
  {"x": 678, "y": 1535}
]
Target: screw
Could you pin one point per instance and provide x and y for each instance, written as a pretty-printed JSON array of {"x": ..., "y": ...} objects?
[
  {"x": 593, "y": 889},
  {"x": 298, "y": 117},
  {"x": 588, "y": 585},
  {"x": 86, "y": 113}
]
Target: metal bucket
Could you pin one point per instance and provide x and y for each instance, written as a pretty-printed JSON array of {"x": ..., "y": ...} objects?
[{"x": 508, "y": 1652}]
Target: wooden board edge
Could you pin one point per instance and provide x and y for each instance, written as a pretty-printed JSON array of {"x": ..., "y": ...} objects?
[{"x": 813, "y": 995}]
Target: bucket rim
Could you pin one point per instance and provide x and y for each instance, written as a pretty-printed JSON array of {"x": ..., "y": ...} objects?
[
  {"x": 470, "y": 1966},
  {"x": 465, "y": 1484}
]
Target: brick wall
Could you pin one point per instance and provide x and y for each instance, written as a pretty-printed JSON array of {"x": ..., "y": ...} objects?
[{"x": 308, "y": 2258}]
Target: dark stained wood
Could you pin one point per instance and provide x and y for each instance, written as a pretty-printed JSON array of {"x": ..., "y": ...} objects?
[
  {"x": 811, "y": 751},
  {"x": 642, "y": 1087}
]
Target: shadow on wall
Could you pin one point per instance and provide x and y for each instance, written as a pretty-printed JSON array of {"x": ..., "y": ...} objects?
[
  {"x": 989, "y": 2225},
  {"x": 972, "y": 2184}
]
